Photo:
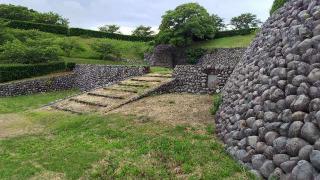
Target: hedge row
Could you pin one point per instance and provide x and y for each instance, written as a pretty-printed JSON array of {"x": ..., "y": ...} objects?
[
  {"x": 21, "y": 71},
  {"x": 234, "y": 33},
  {"x": 56, "y": 29},
  {"x": 99, "y": 34}
]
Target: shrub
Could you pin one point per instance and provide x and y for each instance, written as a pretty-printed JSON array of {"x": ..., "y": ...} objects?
[
  {"x": 20, "y": 71},
  {"x": 230, "y": 33},
  {"x": 194, "y": 55},
  {"x": 105, "y": 49},
  {"x": 69, "y": 45},
  {"x": 56, "y": 29},
  {"x": 70, "y": 66},
  {"x": 217, "y": 101},
  {"x": 30, "y": 52},
  {"x": 99, "y": 34},
  {"x": 276, "y": 5}
]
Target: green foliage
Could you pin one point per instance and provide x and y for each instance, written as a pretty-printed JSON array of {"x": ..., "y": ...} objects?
[
  {"x": 56, "y": 29},
  {"x": 218, "y": 22},
  {"x": 240, "y": 32},
  {"x": 10, "y": 72},
  {"x": 105, "y": 49},
  {"x": 194, "y": 54},
  {"x": 217, "y": 101},
  {"x": 21, "y": 13},
  {"x": 143, "y": 31},
  {"x": 188, "y": 22},
  {"x": 30, "y": 52},
  {"x": 69, "y": 45},
  {"x": 276, "y": 5},
  {"x": 245, "y": 21},
  {"x": 99, "y": 34},
  {"x": 110, "y": 29}
]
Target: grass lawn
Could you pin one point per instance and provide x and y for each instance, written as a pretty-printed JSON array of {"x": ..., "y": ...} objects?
[
  {"x": 112, "y": 147},
  {"x": 160, "y": 70},
  {"x": 227, "y": 42},
  {"x": 24, "y": 103}
]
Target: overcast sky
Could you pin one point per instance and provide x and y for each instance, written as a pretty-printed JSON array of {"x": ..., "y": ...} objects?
[{"x": 131, "y": 13}]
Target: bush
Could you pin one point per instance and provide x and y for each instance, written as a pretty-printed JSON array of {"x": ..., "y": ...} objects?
[
  {"x": 30, "y": 52},
  {"x": 194, "y": 55},
  {"x": 56, "y": 29},
  {"x": 20, "y": 71},
  {"x": 241, "y": 32},
  {"x": 69, "y": 45},
  {"x": 99, "y": 34},
  {"x": 217, "y": 101},
  {"x": 276, "y": 5},
  {"x": 105, "y": 49}
]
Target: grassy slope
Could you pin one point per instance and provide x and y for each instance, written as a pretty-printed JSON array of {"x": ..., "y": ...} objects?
[
  {"x": 112, "y": 146},
  {"x": 227, "y": 42}
]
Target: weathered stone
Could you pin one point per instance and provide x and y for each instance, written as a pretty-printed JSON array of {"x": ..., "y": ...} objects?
[
  {"x": 288, "y": 166},
  {"x": 303, "y": 171},
  {"x": 267, "y": 168},
  {"x": 301, "y": 103},
  {"x": 310, "y": 132},
  {"x": 270, "y": 137},
  {"x": 315, "y": 159},
  {"x": 280, "y": 158},
  {"x": 258, "y": 160},
  {"x": 295, "y": 129},
  {"x": 314, "y": 75},
  {"x": 294, "y": 145},
  {"x": 304, "y": 153}
]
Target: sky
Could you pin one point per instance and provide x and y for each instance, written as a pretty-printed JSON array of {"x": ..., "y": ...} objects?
[{"x": 91, "y": 14}]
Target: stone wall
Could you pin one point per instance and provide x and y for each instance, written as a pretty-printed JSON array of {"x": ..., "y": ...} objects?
[
  {"x": 94, "y": 76},
  {"x": 222, "y": 57},
  {"x": 166, "y": 56},
  {"x": 84, "y": 77},
  {"x": 194, "y": 79},
  {"x": 270, "y": 116},
  {"x": 45, "y": 84}
]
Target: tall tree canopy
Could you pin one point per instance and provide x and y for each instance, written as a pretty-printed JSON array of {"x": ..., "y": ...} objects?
[
  {"x": 24, "y": 14},
  {"x": 188, "y": 22},
  {"x": 277, "y": 4},
  {"x": 245, "y": 21},
  {"x": 110, "y": 28},
  {"x": 143, "y": 31}
]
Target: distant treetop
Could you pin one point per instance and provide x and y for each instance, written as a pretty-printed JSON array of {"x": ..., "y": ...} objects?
[
  {"x": 276, "y": 5},
  {"x": 9, "y": 11}
]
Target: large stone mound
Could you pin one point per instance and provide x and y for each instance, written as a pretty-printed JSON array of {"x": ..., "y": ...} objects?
[{"x": 270, "y": 116}]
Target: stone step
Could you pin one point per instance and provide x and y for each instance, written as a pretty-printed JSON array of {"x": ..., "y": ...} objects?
[
  {"x": 74, "y": 107},
  {"x": 106, "y": 95},
  {"x": 119, "y": 89},
  {"x": 143, "y": 80},
  {"x": 88, "y": 102},
  {"x": 133, "y": 85},
  {"x": 159, "y": 75}
]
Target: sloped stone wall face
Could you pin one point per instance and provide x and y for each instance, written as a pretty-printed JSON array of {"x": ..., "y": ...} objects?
[
  {"x": 93, "y": 76},
  {"x": 25, "y": 87},
  {"x": 270, "y": 116}
]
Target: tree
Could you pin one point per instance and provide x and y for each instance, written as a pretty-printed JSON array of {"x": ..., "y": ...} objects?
[
  {"x": 51, "y": 18},
  {"x": 110, "y": 28},
  {"x": 188, "y": 22},
  {"x": 276, "y": 5},
  {"x": 143, "y": 31},
  {"x": 245, "y": 21},
  {"x": 218, "y": 22},
  {"x": 105, "y": 49}
]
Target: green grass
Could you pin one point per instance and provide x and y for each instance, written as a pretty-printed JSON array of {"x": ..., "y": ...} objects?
[
  {"x": 227, "y": 42},
  {"x": 115, "y": 146},
  {"x": 160, "y": 70},
  {"x": 112, "y": 147},
  {"x": 23, "y": 103},
  {"x": 217, "y": 101}
]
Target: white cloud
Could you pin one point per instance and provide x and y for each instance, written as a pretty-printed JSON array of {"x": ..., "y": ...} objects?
[{"x": 132, "y": 13}]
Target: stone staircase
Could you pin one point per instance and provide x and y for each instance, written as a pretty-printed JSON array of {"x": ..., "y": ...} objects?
[{"x": 114, "y": 96}]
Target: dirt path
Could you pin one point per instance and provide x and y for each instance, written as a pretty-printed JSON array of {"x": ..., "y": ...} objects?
[{"x": 172, "y": 108}]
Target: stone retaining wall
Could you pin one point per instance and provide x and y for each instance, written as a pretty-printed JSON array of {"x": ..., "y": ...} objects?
[
  {"x": 45, "y": 84},
  {"x": 194, "y": 79},
  {"x": 94, "y": 76},
  {"x": 84, "y": 77},
  {"x": 270, "y": 116}
]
